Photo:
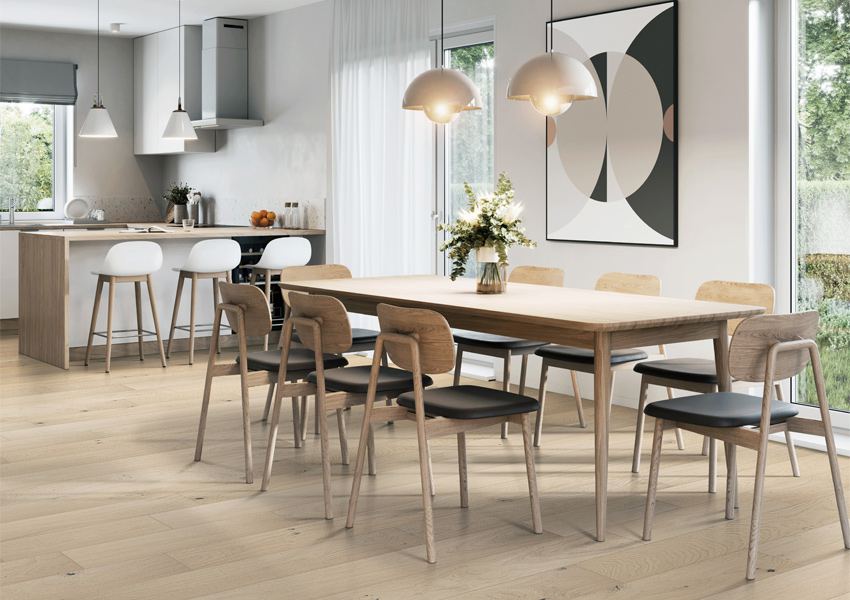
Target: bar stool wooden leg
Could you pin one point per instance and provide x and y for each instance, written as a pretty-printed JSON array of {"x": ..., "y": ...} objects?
[
  {"x": 138, "y": 286},
  {"x": 155, "y": 321},
  {"x": 177, "y": 297},
  {"x": 506, "y": 385},
  {"x": 97, "y": 295},
  {"x": 110, "y": 310},
  {"x": 193, "y": 294},
  {"x": 216, "y": 297}
]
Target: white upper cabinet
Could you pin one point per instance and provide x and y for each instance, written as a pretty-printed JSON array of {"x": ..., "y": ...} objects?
[{"x": 156, "y": 90}]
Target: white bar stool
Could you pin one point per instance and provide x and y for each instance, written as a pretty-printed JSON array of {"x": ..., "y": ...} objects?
[
  {"x": 208, "y": 259},
  {"x": 127, "y": 262},
  {"x": 279, "y": 254}
]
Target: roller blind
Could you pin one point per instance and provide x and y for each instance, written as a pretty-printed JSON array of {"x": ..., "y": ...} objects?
[{"x": 38, "y": 81}]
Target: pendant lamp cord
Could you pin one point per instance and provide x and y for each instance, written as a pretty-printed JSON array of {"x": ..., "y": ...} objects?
[
  {"x": 179, "y": 47},
  {"x": 551, "y": 25},
  {"x": 99, "y": 98},
  {"x": 442, "y": 37}
]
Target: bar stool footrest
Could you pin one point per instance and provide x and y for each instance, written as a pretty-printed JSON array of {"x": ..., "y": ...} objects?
[{"x": 126, "y": 333}]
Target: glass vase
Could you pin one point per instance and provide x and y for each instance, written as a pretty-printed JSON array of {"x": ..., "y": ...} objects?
[{"x": 489, "y": 275}]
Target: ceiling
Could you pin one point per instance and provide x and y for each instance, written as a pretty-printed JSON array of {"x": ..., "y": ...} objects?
[{"x": 139, "y": 17}]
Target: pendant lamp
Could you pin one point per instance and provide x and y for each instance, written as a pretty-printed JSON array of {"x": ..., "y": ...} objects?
[
  {"x": 442, "y": 93},
  {"x": 552, "y": 81},
  {"x": 179, "y": 127},
  {"x": 97, "y": 123}
]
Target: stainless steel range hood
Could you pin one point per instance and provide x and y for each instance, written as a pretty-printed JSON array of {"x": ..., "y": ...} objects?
[{"x": 224, "y": 70}]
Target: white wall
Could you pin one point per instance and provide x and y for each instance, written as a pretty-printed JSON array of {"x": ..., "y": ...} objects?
[
  {"x": 106, "y": 169},
  {"x": 287, "y": 159}
]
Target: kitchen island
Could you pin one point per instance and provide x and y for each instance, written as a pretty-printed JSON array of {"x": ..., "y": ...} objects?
[{"x": 56, "y": 286}]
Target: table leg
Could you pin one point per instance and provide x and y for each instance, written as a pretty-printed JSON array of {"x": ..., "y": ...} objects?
[{"x": 601, "y": 398}]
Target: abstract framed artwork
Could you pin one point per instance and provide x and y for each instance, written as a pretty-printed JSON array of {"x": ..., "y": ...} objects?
[{"x": 612, "y": 162}]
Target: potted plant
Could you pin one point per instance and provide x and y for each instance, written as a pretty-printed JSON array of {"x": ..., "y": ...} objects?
[
  {"x": 489, "y": 226},
  {"x": 178, "y": 195}
]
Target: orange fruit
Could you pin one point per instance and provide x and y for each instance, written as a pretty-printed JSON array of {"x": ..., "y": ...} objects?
[
  {"x": 271, "y": 216},
  {"x": 263, "y": 213},
  {"x": 255, "y": 222},
  {"x": 264, "y": 222},
  {"x": 255, "y": 215}
]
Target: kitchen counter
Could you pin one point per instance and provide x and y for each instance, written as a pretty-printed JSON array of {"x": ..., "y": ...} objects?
[
  {"x": 50, "y": 225},
  {"x": 56, "y": 287}
]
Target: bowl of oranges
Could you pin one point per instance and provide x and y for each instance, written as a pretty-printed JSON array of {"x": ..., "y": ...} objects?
[{"x": 263, "y": 219}]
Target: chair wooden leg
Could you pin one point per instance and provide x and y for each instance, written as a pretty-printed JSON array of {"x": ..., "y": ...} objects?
[
  {"x": 758, "y": 492},
  {"x": 427, "y": 502},
  {"x": 156, "y": 321},
  {"x": 373, "y": 469},
  {"x": 267, "y": 468},
  {"x": 431, "y": 487},
  {"x": 192, "y": 295},
  {"x": 322, "y": 421},
  {"x": 579, "y": 406},
  {"x": 789, "y": 440},
  {"x": 268, "y": 281},
  {"x": 343, "y": 439},
  {"x": 202, "y": 424},
  {"x": 365, "y": 433},
  {"x": 461, "y": 467},
  {"x": 680, "y": 439},
  {"x": 216, "y": 297},
  {"x": 175, "y": 312},
  {"x": 109, "y": 312},
  {"x": 704, "y": 450},
  {"x": 269, "y": 398},
  {"x": 506, "y": 385},
  {"x": 296, "y": 422},
  {"x": 611, "y": 393},
  {"x": 541, "y": 397},
  {"x": 731, "y": 479},
  {"x": 304, "y": 414},
  {"x": 138, "y": 287},
  {"x": 536, "y": 520},
  {"x": 652, "y": 489},
  {"x": 97, "y": 296},
  {"x": 712, "y": 466},
  {"x": 316, "y": 428},
  {"x": 458, "y": 365},
  {"x": 522, "y": 374},
  {"x": 641, "y": 419}
]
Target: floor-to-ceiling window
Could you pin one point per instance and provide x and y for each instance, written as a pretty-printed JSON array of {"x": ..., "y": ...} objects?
[
  {"x": 465, "y": 147},
  {"x": 821, "y": 187}
]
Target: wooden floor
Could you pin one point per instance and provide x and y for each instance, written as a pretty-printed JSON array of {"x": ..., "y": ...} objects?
[{"x": 101, "y": 499}]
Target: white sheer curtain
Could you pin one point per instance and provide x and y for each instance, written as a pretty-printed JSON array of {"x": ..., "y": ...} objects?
[{"x": 379, "y": 213}]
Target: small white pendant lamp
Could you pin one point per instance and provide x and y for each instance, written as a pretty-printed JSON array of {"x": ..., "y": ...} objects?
[
  {"x": 552, "y": 81},
  {"x": 97, "y": 123},
  {"x": 442, "y": 93},
  {"x": 179, "y": 127}
]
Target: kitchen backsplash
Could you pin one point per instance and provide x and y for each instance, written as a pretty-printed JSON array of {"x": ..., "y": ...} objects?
[{"x": 126, "y": 209}]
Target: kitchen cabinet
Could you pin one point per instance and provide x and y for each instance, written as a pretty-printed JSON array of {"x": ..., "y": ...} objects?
[
  {"x": 155, "y": 90},
  {"x": 8, "y": 275}
]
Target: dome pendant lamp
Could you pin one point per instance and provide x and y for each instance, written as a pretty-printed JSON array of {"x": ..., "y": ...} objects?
[
  {"x": 97, "y": 123},
  {"x": 179, "y": 127},
  {"x": 442, "y": 93},
  {"x": 552, "y": 81}
]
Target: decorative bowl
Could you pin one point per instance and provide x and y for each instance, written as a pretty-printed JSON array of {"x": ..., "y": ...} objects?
[{"x": 251, "y": 223}]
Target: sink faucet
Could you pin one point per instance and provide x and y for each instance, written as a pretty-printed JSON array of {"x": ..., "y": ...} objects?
[{"x": 12, "y": 205}]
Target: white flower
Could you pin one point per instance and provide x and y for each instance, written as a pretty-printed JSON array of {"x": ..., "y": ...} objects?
[
  {"x": 513, "y": 213},
  {"x": 470, "y": 217}
]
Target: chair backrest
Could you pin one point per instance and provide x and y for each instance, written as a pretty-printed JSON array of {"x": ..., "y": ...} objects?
[
  {"x": 310, "y": 272},
  {"x": 753, "y": 338},
  {"x": 331, "y": 317},
  {"x": 537, "y": 275},
  {"x": 734, "y": 292},
  {"x": 285, "y": 252},
  {"x": 131, "y": 259},
  {"x": 432, "y": 332},
  {"x": 258, "y": 318},
  {"x": 213, "y": 256},
  {"x": 629, "y": 283}
]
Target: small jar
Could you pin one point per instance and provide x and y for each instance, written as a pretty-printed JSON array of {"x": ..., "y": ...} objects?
[
  {"x": 296, "y": 217},
  {"x": 286, "y": 218}
]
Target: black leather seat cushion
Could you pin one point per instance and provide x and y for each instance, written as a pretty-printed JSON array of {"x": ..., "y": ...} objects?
[
  {"x": 723, "y": 409},
  {"x": 695, "y": 370},
  {"x": 489, "y": 340},
  {"x": 471, "y": 402},
  {"x": 584, "y": 356},
  {"x": 356, "y": 379},
  {"x": 301, "y": 361},
  {"x": 358, "y": 336}
]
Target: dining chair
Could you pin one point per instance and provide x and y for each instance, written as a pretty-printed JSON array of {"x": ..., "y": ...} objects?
[
  {"x": 323, "y": 328},
  {"x": 502, "y": 346},
  {"x": 362, "y": 340},
  {"x": 764, "y": 349},
  {"x": 581, "y": 359},
  {"x": 700, "y": 374},
  {"x": 420, "y": 341},
  {"x": 248, "y": 314}
]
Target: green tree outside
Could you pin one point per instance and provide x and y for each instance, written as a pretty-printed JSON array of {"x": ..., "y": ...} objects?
[{"x": 26, "y": 154}]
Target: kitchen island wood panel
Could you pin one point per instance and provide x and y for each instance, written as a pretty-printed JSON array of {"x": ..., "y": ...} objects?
[{"x": 56, "y": 287}]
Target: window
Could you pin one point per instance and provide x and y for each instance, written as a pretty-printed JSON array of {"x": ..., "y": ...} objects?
[
  {"x": 821, "y": 188},
  {"x": 33, "y": 153},
  {"x": 465, "y": 147}
]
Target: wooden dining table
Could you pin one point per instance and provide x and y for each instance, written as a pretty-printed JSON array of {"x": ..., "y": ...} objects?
[{"x": 601, "y": 321}]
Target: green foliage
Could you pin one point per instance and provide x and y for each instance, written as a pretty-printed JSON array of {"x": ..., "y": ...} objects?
[
  {"x": 178, "y": 193},
  {"x": 833, "y": 340},
  {"x": 487, "y": 222},
  {"x": 26, "y": 154},
  {"x": 824, "y": 89}
]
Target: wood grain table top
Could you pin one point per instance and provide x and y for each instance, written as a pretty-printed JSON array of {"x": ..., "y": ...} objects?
[{"x": 174, "y": 233}]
